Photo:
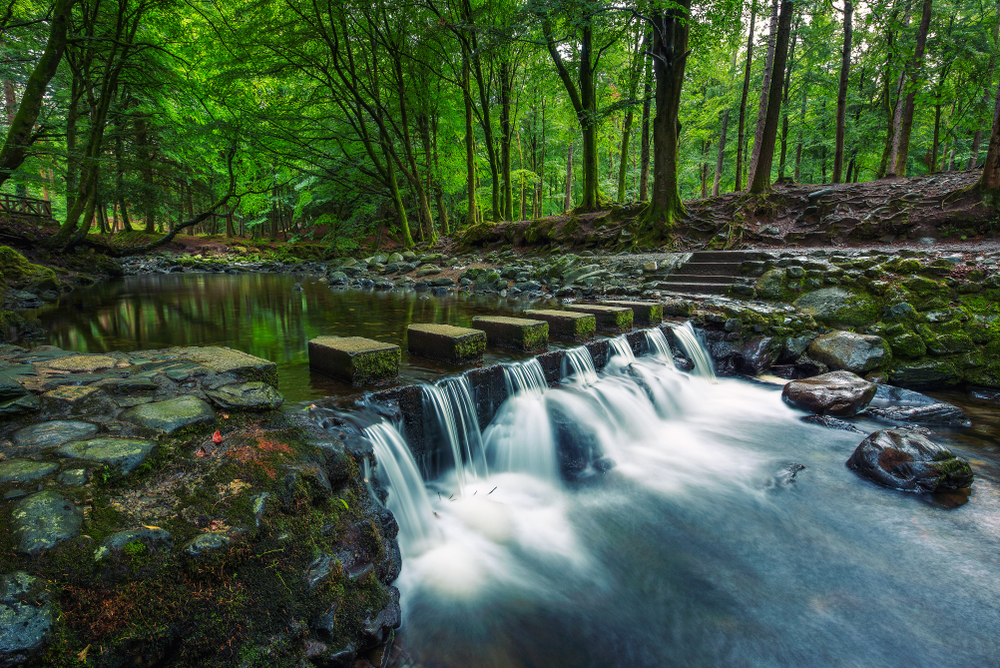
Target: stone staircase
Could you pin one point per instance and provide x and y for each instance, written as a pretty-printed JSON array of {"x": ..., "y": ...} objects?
[{"x": 709, "y": 273}]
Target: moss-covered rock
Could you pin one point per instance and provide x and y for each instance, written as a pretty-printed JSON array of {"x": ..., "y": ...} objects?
[{"x": 15, "y": 269}]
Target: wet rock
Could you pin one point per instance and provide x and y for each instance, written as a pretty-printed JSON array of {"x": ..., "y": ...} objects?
[
  {"x": 905, "y": 460},
  {"x": 153, "y": 540},
  {"x": 83, "y": 363},
  {"x": 254, "y": 395},
  {"x": 937, "y": 413},
  {"x": 838, "y": 307},
  {"x": 124, "y": 453},
  {"x": 26, "y": 618},
  {"x": 25, "y": 470},
  {"x": 205, "y": 544},
  {"x": 840, "y": 393},
  {"x": 858, "y": 353},
  {"x": 787, "y": 475},
  {"x": 378, "y": 627},
  {"x": 14, "y": 399},
  {"x": 74, "y": 477},
  {"x": 757, "y": 355},
  {"x": 831, "y": 423},
  {"x": 42, "y": 520},
  {"x": 171, "y": 415}
]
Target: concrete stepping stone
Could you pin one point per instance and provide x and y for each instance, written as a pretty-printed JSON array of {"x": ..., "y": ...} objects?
[
  {"x": 617, "y": 319},
  {"x": 56, "y": 432},
  {"x": 25, "y": 470},
  {"x": 125, "y": 453},
  {"x": 517, "y": 333},
  {"x": 26, "y": 618},
  {"x": 354, "y": 359},
  {"x": 455, "y": 345},
  {"x": 566, "y": 324},
  {"x": 42, "y": 520},
  {"x": 643, "y": 313},
  {"x": 171, "y": 415},
  {"x": 254, "y": 395}
]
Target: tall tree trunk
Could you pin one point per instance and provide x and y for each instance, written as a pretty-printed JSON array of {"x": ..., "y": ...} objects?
[
  {"x": 765, "y": 91},
  {"x": 901, "y": 142},
  {"x": 670, "y": 52},
  {"x": 567, "y": 205},
  {"x": 762, "y": 175},
  {"x": 470, "y": 145},
  {"x": 989, "y": 182},
  {"x": 798, "y": 147},
  {"x": 19, "y": 135},
  {"x": 506, "y": 137},
  {"x": 743, "y": 100},
  {"x": 845, "y": 73},
  {"x": 647, "y": 95},
  {"x": 721, "y": 154},
  {"x": 784, "y": 102},
  {"x": 627, "y": 129}
]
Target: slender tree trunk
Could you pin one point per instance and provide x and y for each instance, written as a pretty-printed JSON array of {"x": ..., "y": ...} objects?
[
  {"x": 845, "y": 73},
  {"x": 470, "y": 146},
  {"x": 784, "y": 103},
  {"x": 627, "y": 129},
  {"x": 721, "y": 154},
  {"x": 798, "y": 147},
  {"x": 762, "y": 175},
  {"x": 704, "y": 168},
  {"x": 901, "y": 142},
  {"x": 506, "y": 136},
  {"x": 743, "y": 100},
  {"x": 647, "y": 94},
  {"x": 568, "y": 204},
  {"x": 989, "y": 182},
  {"x": 765, "y": 91}
]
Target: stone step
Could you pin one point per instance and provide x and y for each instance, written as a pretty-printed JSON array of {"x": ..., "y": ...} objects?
[
  {"x": 696, "y": 288},
  {"x": 455, "y": 345},
  {"x": 354, "y": 359},
  {"x": 517, "y": 333},
  {"x": 709, "y": 269},
  {"x": 695, "y": 278},
  {"x": 725, "y": 256},
  {"x": 574, "y": 325},
  {"x": 643, "y": 313},
  {"x": 616, "y": 319}
]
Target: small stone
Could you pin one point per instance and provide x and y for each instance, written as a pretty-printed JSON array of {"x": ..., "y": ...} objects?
[
  {"x": 206, "y": 543},
  {"x": 171, "y": 415},
  {"x": 254, "y": 395},
  {"x": 125, "y": 453},
  {"x": 42, "y": 520},
  {"x": 152, "y": 540},
  {"x": 74, "y": 477}
]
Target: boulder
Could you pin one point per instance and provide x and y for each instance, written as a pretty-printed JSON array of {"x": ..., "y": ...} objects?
[
  {"x": 906, "y": 460},
  {"x": 839, "y": 393},
  {"x": 171, "y": 415},
  {"x": 42, "y": 520},
  {"x": 838, "y": 307},
  {"x": 897, "y": 404},
  {"x": 859, "y": 353},
  {"x": 255, "y": 395},
  {"x": 26, "y": 618}
]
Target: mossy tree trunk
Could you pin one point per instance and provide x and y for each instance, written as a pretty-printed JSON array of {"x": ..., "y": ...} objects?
[
  {"x": 669, "y": 54},
  {"x": 989, "y": 182},
  {"x": 762, "y": 173}
]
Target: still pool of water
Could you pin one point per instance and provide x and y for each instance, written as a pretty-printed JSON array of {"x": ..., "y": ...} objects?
[{"x": 260, "y": 314}]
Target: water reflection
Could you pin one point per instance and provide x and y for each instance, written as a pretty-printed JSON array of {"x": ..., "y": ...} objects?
[{"x": 261, "y": 314}]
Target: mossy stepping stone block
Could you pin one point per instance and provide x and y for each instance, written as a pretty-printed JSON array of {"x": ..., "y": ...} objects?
[
  {"x": 617, "y": 319},
  {"x": 566, "y": 324},
  {"x": 643, "y": 313},
  {"x": 456, "y": 345},
  {"x": 517, "y": 333},
  {"x": 354, "y": 359}
]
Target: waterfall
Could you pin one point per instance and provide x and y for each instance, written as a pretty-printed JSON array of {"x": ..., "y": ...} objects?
[
  {"x": 520, "y": 438},
  {"x": 408, "y": 499},
  {"x": 621, "y": 348},
  {"x": 657, "y": 346},
  {"x": 578, "y": 363},
  {"x": 525, "y": 377},
  {"x": 450, "y": 410},
  {"x": 695, "y": 351}
]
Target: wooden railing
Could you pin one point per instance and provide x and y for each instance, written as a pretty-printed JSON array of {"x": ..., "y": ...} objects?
[{"x": 25, "y": 206}]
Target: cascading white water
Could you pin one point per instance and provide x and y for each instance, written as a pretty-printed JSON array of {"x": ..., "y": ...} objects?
[
  {"x": 578, "y": 365},
  {"x": 408, "y": 498},
  {"x": 449, "y": 404},
  {"x": 656, "y": 344},
  {"x": 621, "y": 348},
  {"x": 525, "y": 376},
  {"x": 695, "y": 351}
]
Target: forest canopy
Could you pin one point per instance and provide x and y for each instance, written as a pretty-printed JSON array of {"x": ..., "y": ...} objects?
[{"x": 417, "y": 118}]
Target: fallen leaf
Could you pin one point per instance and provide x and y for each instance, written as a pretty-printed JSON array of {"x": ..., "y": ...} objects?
[
  {"x": 148, "y": 526},
  {"x": 217, "y": 437},
  {"x": 82, "y": 655},
  {"x": 202, "y": 452}
]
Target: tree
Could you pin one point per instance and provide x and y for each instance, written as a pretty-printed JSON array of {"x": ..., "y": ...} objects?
[
  {"x": 762, "y": 175},
  {"x": 845, "y": 73}
]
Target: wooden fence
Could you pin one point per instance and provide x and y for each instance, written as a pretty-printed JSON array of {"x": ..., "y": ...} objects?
[{"x": 25, "y": 206}]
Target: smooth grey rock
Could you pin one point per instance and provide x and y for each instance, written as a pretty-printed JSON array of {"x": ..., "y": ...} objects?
[
  {"x": 903, "y": 459},
  {"x": 206, "y": 543},
  {"x": 171, "y": 415},
  {"x": 125, "y": 453},
  {"x": 74, "y": 477},
  {"x": 57, "y": 432},
  {"x": 25, "y": 470},
  {"x": 254, "y": 395},
  {"x": 26, "y": 618},
  {"x": 839, "y": 393},
  {"x": 42, "y": 520},
  {"x": 858, "y": 353},
  {"x": 154, "y": 540}
]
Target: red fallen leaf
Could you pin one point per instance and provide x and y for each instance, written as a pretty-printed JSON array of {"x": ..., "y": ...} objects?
[
  {"x": 217, "y": 437},
  {"x": 202, "y": 452}
]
